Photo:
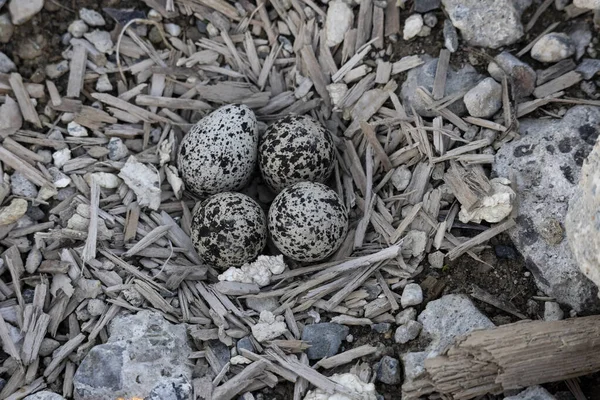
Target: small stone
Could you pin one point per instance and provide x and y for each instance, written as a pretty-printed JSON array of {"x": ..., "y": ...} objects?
[
  {"x": 267, "y": 327},
  {"x": 6, "y": 64},
  {"x": 505, "y": 252},
  {"x": 74, "y": 129},
  {"x": 78, "y": 28},
  {"x": 101, "y": 40},
  {"x": 494, "y": 207},
  {"x": 412, "y": 295},
  {"x": 401, "y": 178},
  {"x": 105, "y": 180},
  {"x": 382, "y": 327},
  {"x": 133, "y": 297},
  {"x": 553, "y": 47},
  {"x": 407, "y": 332},
  {"x": 325, "y": 339},
  {"x": 60, "y": 157},
  {"x": 409, "y": 314},
  {"x": 55, "y": 71},
  {"x": 339, "y": 20},
  {"x": 103, "y": 84},
  {"x": 520, "y": 72},
  {"x": 173, "y": 29},
  {"x": 91, "y": 17},
  {"x": 33, "y": 47},
  {"x": 552, "y": 311},
  {"x": 588, "y": 4},
  {"x": 48, "y": 346},
  {"x": 532, "y": 393},
  {"x": 21, "y": 186},
  {"x": 6, "y": 28},
  {"x": 96, "y": 307},
  {"x": 588, "y": 68},
  {"x": 245, "y": 343},
  {"x": 117, "y": 149},
  {"x": 143, "y": 181},
  {"x": 261, "y": 304},
  {"x": 485, "y": 99},
  {"x": 422, "y": 6},
  {"x": 425, "y": 31},
  {"x": 12, "y": 212},
  {"x": 415, "y": 242},
  {"x": 388, "y": 371},
  {"x": 337, "y": 91},
  {"x": 450, "y": 36},
  {"x": 412, "y": 26},
  {"x": 436, "y": 259},
  {"x": 22, "y": 11},
  {"x": 430, "y": 20}
]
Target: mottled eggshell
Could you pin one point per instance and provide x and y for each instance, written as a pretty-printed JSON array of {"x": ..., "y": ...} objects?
[
  {"x": 219, "y": 153},
  {"x": 308, "y": 221},
  {"x": 229, "y": 229},
  {"x": 294, "y": 149}
]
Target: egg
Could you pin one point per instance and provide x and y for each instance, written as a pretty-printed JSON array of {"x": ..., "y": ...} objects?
[
  {"x": 294, "y": 149},
  {"x": 308, "y": 221},
  {"x": 228, "y": 230},
  {"x": 219, "y": 153}
]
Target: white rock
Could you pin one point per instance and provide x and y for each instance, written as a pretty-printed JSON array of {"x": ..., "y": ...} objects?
[
  {"x": 74, "y": 129},
  {"x": 363, "y": 390},
  {"x": 101, "y": 40},
  {"x": 22, "y": 11},
  {"x": 105, "y": 180},
  {"x": 259, "y": 272},
  {"x": 553, "y": 47},
  {"x": 339, "y": 21},
  {"x": 91, "y": 17},
  {"x": 21, "y": 186},
  {"x": 412, "y": 26},
  {"x": 54, "y": 71},
  {"x": 407, "y": 332},
  {"x": 239, "y": 360},
  {"x": 103, "y": 84},
  {"x": 12, "y": 212},
  {"x": 173, "y": 29},
  {"x": 552, "y": 311},
  {"x": 11, "y": 119},
  {"x": 96, "y": 307},
  {"x": 154, "y": 15},
  {"x": 493, "y": 208},
  {"x": 485, "y": 99},
  {"x": 78, "y": 28},
  {"x": 143, "y": 181},
  {"x": 67, "y": 117},
  {"x": 401, "y": 178},
  {"x": 117, "y": 150},
  {"x": 409, "y": 314},
  {"x": 62, "y": 282},
  {"x": 425, "y": 31},
  {"x": 414, "y": 243},
  {"x": 436, "y": 259},
  {"x": 412, "y": 295},
  {"x": 60, "y": 157},
  {"x": 337, "y": 91},
  {"x": 59, "y": 179},
  {"x": 6, "y": 64},
  {"x": 268, "y": 328},
  {"x": 589, "y": 4}
]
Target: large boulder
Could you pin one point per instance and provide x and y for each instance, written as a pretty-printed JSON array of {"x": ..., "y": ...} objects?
[
  {"x": 546, "y": 163},
  {"x": 145, "y": 357}
]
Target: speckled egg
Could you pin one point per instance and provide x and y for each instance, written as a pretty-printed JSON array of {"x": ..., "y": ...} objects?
[
  {"x": 219, "y": 153},
  {"x": 229, "y": 229},
  {"x": 295, "y": 149},
  {"x": 308, "y": 221}
]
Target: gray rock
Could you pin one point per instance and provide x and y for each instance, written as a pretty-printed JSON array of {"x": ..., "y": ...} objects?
[
  {"x": 486, "y": 23},
  {"x": 422, "y": 6},
  {"x": 588, "y": 67},
  {"x": 381, "y": 327},
  {"x": 581, "y": 36},
  {"x": 532, "y": 393},
  {"x": 407, "y": 332},
  {"x": 221, "y": 352},
  {"x": 430, "y": 19},
  {"x": 6, "y": 28},
  {"x": 450, "y": 36},
  {"x": 245, "y": 343},
  {"x": 91, "y": 17},
  {"x": 22, "y": 11},
  {"x": 261, "y": 304},
  {"x": 412, "y": 295},
  {"x": 410, "y": 314},
  {"x": 388, "y": 371},
  {"x": 140, "y": 349},
  {"x": 78, "y": 28},
  {"x": 589, "y": 4},
  {"x": 45, "y": 395},
  {"x": 175, "y": 389},
  {"x": 6, "y": 64},
  {"x": 518, "y": 71},
  {"x": 456, "y": 81},
  {"x": 547, "y": 162},
  {"x": 485, "y": 99},
  {"x": 48, "y": 346},
  {"x": 553, "y": 47},
  {"x": 552, "y": 311},
  {"x": 117, "y": 149},
  {"x": 20, "y": 186},
  {"x": 325, "y": 339},
  {"x": 414, "y": 365}
]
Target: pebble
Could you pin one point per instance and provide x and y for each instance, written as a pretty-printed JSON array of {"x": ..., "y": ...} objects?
[
  {"x": 268, "y": 328},
  {"x": 54, "y": 71},
  {"x": 535, "y": 393},
  {"x": 105, "y": 180},
  {"x": 12, "y": 212},
  {"x": 409, "y": 314},
  {"x": 485, "y": 99},
  {"x": 412, "y": 295},
  {"x": 101, "y": 40},
  {"x": 21, "y": 186},
  {"x": 59, "y": 179},
  {"x": 505, "y": 252},
  {"x": 22, "y": 11},
  {"x": 401, "y": 178},
  {"x": 436, "y": 259},
  {"x": 407, "y": 332},
  {"x": 412, "y": 26},
  {"x": 96, "y": 307},
  {"x": 6, "y": 64},
  {"x": 388, "y": 371},
  {"x": 60, "y": 157},
  {"x": 91, "y": 17},
  {"x": 6, "y": 28},
  {"x": 103, "y": 84},
  {"x": 117, "y": 149},
  {"x": 588, "y": 68},
  {"x": 74, "y": 129},
  {"x": 450, "y": 36},
  {"x": 589, "y": 4},
  {"x": 381, "y": 327},
  {"x": 245, "y": 343},
  {"x": 425, "y": 31},
  {"x": 552, "y": 311},
  {"x": 78, "y": 28},
  {"x": 325, "y": 339},
  {"x": 173, "y": 29},
  {"x": 415, "y": 242},
  {"x": 48, "y": 346},
  {"x": 338, "y": 21},
  {"x": 430, "y": 19},
  {"x": 520, "y": 72},
  {"x": 553, "y": 47}
]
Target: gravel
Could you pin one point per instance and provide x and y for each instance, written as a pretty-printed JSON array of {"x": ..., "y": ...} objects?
[
  {"x": 388, "y": 371},
  {"x": 553, "y": 47},
  {"x": 325, "y": 339},
  {"x": 485, "y": 99},
  {"x": 407, "y": 332},
  {"x": 412, "y": 295}
]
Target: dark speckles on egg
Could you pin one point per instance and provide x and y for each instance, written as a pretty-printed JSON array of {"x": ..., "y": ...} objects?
[
  {"x": 219, "y": 153},
  {"x": 228, "y": 230},
  {"x": 294, "y": 149},
  {"x": 307, "y": 221}
]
